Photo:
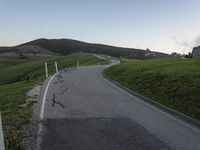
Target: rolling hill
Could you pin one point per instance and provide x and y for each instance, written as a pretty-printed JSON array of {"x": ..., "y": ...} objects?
[{"x": 67, "y": 46}]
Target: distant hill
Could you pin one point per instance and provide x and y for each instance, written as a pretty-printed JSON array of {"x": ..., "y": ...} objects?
[{"x": 67, "y": 46}]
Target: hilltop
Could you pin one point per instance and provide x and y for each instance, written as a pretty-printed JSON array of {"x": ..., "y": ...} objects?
[{"x": 47, "y": 47}]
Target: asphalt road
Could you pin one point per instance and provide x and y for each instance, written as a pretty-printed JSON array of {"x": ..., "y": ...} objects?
[{"x": 84, "y": 111}]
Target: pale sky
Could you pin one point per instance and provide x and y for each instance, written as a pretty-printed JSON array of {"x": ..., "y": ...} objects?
[{"x": 161, "y": 25}]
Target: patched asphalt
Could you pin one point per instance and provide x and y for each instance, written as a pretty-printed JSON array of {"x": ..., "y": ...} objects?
[{"x": 98, "y": 134}]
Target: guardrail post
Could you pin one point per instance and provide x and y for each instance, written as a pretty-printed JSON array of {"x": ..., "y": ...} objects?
[
  {"x": 78, "y": 63},
  {"x": 56, "y": 66},
  {"x": 1, "y": 135},
  {"x": 46, "y": 70}
]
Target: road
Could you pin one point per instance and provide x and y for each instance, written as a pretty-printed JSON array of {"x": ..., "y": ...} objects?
[{"x": 84, "y": 111}]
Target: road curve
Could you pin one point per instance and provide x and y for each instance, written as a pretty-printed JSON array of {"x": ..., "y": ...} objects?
[{"x": 84, "y": 111}]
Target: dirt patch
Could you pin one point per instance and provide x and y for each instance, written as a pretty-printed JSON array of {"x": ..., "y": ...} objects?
[{"x": 32, "y": 96}]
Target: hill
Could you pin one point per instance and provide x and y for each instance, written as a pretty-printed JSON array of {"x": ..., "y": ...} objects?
[{"x": 67, "y": 46}]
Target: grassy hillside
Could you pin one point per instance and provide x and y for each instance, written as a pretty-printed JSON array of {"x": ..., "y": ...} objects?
[
  {"x": 12, "y": 95},
  {"x": 6, "y": 61},
  {"x": 172, "y": 82},
  {"x": 67, "y": 46},
  {"x": 36, "y": 68}
]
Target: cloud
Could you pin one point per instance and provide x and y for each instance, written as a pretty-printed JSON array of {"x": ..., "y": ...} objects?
[
  {"x": 197, "y": 41},
  {"x": 185, "y": 38},
  {"x": 187, "y": 44}
]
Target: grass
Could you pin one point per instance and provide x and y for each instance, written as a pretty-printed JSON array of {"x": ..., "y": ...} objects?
[
  {"x": 14, "y": 86},
  {"x": 36, "y": 68},
  {"x": 172, "y": 82},
  {"x": 14, "y": 117},
  {"x": 6, "y": 61}
]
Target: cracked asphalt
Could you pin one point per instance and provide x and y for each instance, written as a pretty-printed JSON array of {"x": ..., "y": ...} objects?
[{"x": 84, "y": 111}]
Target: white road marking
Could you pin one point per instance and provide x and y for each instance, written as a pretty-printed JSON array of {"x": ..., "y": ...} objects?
[
  {"x": 100, "y": 57},
  {"x": 1, "y": 136},
  {"x": 44, "y": 97},
  {"x": 149, "y": 105}
]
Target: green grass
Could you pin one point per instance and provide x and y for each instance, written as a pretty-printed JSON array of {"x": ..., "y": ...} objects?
[
  {"x": 14, "y": 86},
  {"x": 36, "y": 68},
  {"x": 172, "y": 82},
  {"x": 14, "y": 117},
  {"x": 6, "y": 61}
]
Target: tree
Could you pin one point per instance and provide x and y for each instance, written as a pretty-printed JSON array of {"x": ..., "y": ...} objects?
[{"x": 148, "y": 49}]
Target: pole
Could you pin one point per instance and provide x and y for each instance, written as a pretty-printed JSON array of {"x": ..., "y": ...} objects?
[
  {"x": 56, "y": 66},
  {"x": 78, "y": 63},
  {"x": 46, "y": 69},
  {"x": 27, "y": 78},
  {"x": 1, "y": 135}
]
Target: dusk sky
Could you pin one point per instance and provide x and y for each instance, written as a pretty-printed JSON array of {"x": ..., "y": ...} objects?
[{"x": 161, "y": 25}]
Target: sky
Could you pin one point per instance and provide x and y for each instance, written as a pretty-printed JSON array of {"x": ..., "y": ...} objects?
[{"x": 160, "y": 25}]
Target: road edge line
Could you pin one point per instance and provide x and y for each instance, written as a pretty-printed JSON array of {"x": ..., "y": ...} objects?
[
  {"x": 44, "y": 96},
  {"x": 171, "y": 113}
]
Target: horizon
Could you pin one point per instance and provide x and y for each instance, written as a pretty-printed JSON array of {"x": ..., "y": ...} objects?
[
  {"x": 81, "y": 41},
  {"x": 163, "y": 26}
]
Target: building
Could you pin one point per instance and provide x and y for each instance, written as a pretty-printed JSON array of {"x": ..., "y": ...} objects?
[{"x": 196, "y": 52}]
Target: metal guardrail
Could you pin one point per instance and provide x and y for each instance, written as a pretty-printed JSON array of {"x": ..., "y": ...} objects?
[{"x": 1, "y": 135}]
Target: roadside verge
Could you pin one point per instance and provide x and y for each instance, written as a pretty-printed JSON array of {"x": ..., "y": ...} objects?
[{"x": 172, "y": 112}]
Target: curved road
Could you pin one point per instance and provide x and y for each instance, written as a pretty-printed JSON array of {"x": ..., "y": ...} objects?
[{"x": 84, "y": 111}]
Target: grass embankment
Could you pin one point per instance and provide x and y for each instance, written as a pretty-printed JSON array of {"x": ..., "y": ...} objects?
[
  {"x": 14, "y": 86},
  {"x": 172, "y": 82}
]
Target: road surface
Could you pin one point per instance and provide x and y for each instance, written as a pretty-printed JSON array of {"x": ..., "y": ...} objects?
[{"x": 84, "y": 111}]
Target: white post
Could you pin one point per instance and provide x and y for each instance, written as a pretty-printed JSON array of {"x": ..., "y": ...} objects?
[
  {"x": 1, "y": 135},
  {"x": 56, "y": 65},
  {"x": 46, "y": 69},
  {"x": 77, "y": 63}
]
